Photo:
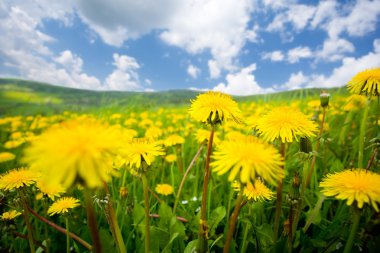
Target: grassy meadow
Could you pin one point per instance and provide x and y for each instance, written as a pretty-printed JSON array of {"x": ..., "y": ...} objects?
[{"x": 152, "y": 202}]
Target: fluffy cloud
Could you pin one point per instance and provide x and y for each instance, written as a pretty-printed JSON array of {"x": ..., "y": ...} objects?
[
  {"x": 242, "y": 83},
  {"x": 193, "y": 71},
  {"x": 218, "y": 27},
  {"x": 295, "y": 54},
  {"x": 340, "y": 75},
  {"x": 125, "y": 76},
  {"x": 297, "y": 15},
  {"x": 273, "y": 56},
  {"x": 335, "y": 49},
  {"x": 122, "y": 20}
]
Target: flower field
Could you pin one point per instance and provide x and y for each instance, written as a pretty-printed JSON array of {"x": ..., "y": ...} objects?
[{"x": 215, "y": 174}]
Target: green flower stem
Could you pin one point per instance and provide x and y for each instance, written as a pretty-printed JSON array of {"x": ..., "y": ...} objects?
[
  {"x": 91, "y": 221},
  {"x": 67, "y": 235},
  {"x": 178, "y": 150},
  {"x": 363, "y": 127},
  {"x": 278, "y": 199},
  {"x": 232, "y": 222},
  {"x": 185, "y": 176},
  {"x": 113, "y": 223},
  {"x": 354, "y": 229},
  {"x": 346, "y": 125},
  {"x": 203, "y": 228},
  {"x": 60, "y": 229},
  {"x": 147, "y": 216},
  {"x": 298, "y": 206},
  {"x": 316, "y": 148},
  {"x": 28, "y": 225}
]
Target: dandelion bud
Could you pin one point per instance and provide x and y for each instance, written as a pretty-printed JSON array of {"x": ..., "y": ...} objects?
[
  {"x": 294, "y": 191},
  {"x": 324, "y": 97},
  {"x": 286, "y": 227},
  {"x": 305, "y": 145},
  {"x": 123, "y": 192}
]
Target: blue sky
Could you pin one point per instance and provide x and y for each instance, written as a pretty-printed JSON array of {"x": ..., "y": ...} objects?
[{"x": 240, "y": 47}]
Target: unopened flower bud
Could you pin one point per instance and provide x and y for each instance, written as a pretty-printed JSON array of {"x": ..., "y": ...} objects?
[
  {"x": 123, "y": 192},
  {"x": 305, "y": 145},
  {"x": 324, "y": 97}
]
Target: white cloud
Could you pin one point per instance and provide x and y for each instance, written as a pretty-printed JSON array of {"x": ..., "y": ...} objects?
[
  {"x": 297, "y": 15},
  {"x": 119, "y": 21},
  {"x": 361, "y": 19},
  {"x": 242, "y": 83},
  {"x": 214, "y": 25},
  {"x": 193, "y": 71},
  {"x": 296, "y": 80},
  {"x": 335, "y": 49},
  {"x": 214, "y": 69},
  {"x": 295, "y": 54},
  {"x": 340, "y": 75},
  {"x": 125, "y": 76},
  {"x": 69, "y": 60},
  {"x": 273, "y": 56}
]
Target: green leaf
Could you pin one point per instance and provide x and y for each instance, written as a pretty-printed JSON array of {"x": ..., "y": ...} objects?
[
  {"x": 107, "y": 241},
  {"x": 216, "y": 217},
  {"x": 191, "y": 247}
]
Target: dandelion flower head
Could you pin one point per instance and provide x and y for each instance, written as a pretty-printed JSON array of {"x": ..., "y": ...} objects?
[
  {"x": 74, "y": 150},
  {"x": 10, "y": 215},
  {"x": 353, "y": 185},
  {"x": 366, "y": 83},
  {"x": 247, "y": 159},
  {"x": 257, "y": 191},
  {"x": 214, "y": 107},
  {"x": 6, "y": 156},
  {"x": 173, "y": 140},
  {"x": 52, "y": 191},
  {"x": 17, "y": 178},
  {"x": 286, "y": 124},
  {"x": 164, "y": 189},
  {"x": 63, "y": 205},
  {"x": 138, "y": 150}
]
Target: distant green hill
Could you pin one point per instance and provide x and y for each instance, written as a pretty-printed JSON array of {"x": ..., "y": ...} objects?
[{"x": 28, "y": 97}]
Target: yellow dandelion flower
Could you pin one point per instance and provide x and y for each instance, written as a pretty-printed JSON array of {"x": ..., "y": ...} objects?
[
  {"x": 164, "y": 189},
  {"x": 74, "y": 150},
  {"x": 235, "y": 185},
  {"x": 52, "y": 191},
  {"x": 353, "y": 185},
  {"x": 63, "y": 205},
  {"x": 203, "y": 135},
  {"x": 257, "y": 191},
  {"x": 286, "y": 124},
  {"x": 153, "y": 132},
  {"x": 171, "y": 158},
  {"x": 139, "y": 150},
  {"x": 10, "y": 215},
  {"x": 249, "y": 158},
  {"x": 6, "y": 156},
  {"x": 366, "y": 82},
  {"x": 214, "y": 107},
  {"x": 13, "y": 143},
  {"x": 173, "y": 139},
  {"x": 17, "y": 178},
  {"x": 355, "y": 102}
]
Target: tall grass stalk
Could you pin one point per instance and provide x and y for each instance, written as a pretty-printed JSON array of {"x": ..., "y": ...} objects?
[
  {"x": 91, "y": 221},
  {"x": 146, "y": 208},
  {"x": 316, "y": 148},
  {"x": 363, "y": 128},
  {"x": 279, "y": 198},
  {"x": 27, "y": 221},
  {"x": 185, "y": 176}
]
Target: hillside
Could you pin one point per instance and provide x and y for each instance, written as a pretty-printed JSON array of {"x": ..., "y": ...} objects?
[{"x": 29, "y": 97}]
